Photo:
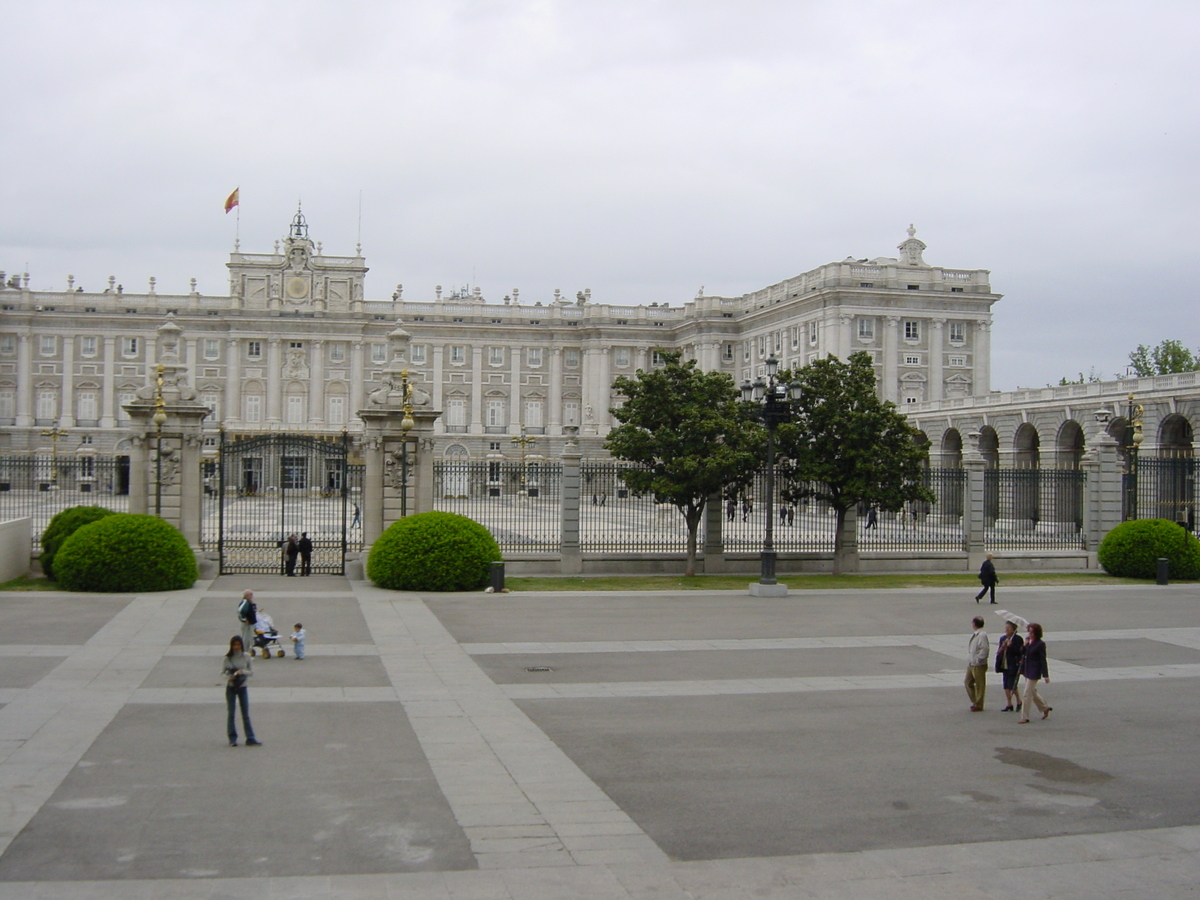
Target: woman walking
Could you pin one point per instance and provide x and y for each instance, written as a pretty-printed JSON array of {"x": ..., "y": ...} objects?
[
  {"x": 1008, "y": 664},
  {"x": 237, "y": 669},
  {"x": 987, "y": 577},
  {"x": 1034, "y": 668}
]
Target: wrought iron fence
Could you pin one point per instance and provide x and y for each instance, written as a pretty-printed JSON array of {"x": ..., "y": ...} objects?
[
  {"x": 613, "y": 518},
  {"x": 806, "y": 525},
  {"x": 1038, "y": 509},
  {"x": 1166, "y": 488},
  {"x": 921, "y": 524},
  {"x": 519, "y": 504},
  {"x": 39, "y": 485}
]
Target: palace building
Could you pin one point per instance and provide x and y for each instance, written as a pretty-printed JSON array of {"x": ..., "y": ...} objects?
[{"x": 296, "y": 346}]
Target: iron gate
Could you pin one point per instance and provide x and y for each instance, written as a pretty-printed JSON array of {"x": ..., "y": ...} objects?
[{"x": 262, "y": 489}]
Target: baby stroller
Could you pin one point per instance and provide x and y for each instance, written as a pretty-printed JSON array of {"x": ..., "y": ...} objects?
[{"x": 265, "y": 639}]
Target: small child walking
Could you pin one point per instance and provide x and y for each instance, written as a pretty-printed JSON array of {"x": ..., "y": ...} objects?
[{"x": 298, "y": 638}]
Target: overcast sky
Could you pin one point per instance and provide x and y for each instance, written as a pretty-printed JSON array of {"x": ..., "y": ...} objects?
[{"x": 641, "y": 149}]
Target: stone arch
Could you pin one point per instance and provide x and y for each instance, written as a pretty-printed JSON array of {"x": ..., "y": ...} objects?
[
  {"x": 1175, "y": 437},
  {"x": 952, "y": 448},
  {"x": 1026, "y": 447},
  {"x": 1069, "y": 445},
  {"x": 989, "y": 446}
]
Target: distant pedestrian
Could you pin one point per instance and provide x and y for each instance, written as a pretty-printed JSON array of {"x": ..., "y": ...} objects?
[
  {"x": 978, "y": 653},
  {"x": 1008, "y": 664},
  {"x": 595, "y": 499},
  {"x": 746, "y": 508},
  {"x": 791, "y": 514},
  {"x": 730, "y": 509},
  {"x": 357, "y": 516},
  {"x": 872, "y": 519},
  {"x": 987, "y": 577},
  {"x": 290, "y": 551},
  {"x": 782, "y": 513},
  {"x": 298, "y": 638},
  {"x": 237, "y": 669},
  {"x": 603, "y": 497},
  {"x": 247, "y": 613},
  {"x": 306, "y": 548},
  {"x": 1035, "y": 669}
]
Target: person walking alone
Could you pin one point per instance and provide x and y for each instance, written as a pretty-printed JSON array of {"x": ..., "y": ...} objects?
[
  {"x": 987, "y": 577},
  {"x": 978, "y": 652}
]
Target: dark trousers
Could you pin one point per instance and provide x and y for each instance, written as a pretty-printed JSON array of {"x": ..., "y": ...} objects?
[
  {"x": 234, "y": 695},
  {"x": 289, "y": 565},
  {"x": 986, "y": 588},
  {"x": 305, "y": 563}
]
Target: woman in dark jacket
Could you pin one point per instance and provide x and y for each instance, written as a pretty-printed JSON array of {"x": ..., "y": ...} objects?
[
  {"x": 987, "y": 577},
  {"x": 1034, "y": 668},
  {"x": 1008, "y": 664}
]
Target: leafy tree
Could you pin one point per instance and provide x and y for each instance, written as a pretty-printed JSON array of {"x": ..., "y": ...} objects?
[
  {"x": 686, "y": 431},
  {"x": 1091, "y": 378},
  {"x": 1168, "y": 358},
  {"x": 845, "y": 446}
]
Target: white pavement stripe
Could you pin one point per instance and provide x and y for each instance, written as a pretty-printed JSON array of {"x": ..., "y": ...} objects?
[
  {"x": 519, "y": 799},
  {"x": 1061, "y": 674},
  {"x": 949, "y": 644},
  {"x": 216, "y": 651},
  {"x": 216, "y": 695}
]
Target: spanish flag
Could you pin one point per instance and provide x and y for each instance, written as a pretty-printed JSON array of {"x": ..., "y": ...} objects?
[{"x": 232, "y": 200}]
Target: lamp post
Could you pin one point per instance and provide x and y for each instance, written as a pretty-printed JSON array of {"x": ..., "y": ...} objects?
[
  {"x": 1133, "y": 440},
  {"x": 406, "y": 425},
  {"x": 524, "y": 442},
  {"x": 160, "y": 419},
  {"x": 55, "y": 434},
  {"x": 775, "y": 400}
]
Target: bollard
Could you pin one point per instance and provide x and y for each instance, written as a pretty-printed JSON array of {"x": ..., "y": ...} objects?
[
  {"x": 1164, "y": 570},
  {"x": 497, "y": 577}
]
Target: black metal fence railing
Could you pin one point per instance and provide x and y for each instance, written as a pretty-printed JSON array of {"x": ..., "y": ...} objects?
[
  {"x": 806, "y": 525},
  {"x": 1038, "y": 509},
  {"x": 38, "y": 486},
  {"x": 519, "y": 504},
  {"x": 1166, "y": 488},
  {"x": 921, "y": 524},
  {"x": 615, "y": 519}
]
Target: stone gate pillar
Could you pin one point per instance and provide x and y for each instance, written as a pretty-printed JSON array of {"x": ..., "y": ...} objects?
[
  {"x": 572, "y": 560},
  {"x": 1103, "y": 500},
  {"x": 397, "y": 444},
  {"x": 975, "y": 467},
  {"x": 168, "y": 440}
]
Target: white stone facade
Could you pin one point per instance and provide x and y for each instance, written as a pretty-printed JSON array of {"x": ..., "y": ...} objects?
[{"x": 295, "y": 346}]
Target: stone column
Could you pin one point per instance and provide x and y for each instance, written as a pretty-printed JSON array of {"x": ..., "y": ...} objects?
[
  {"x": 108, "y": 382},
  {"x": 983, "y": 359},
  {"x": 476, "y": 424},
  {"x": 1103, "y": 502},
  {"x": 890, "y": 372},
  {"x": 518, "y": 409},
  {"x": 846, "y": 339},
  {"x": 714, "y": 542},
  {"x": 24, "y": 383},
  {"x": 975, "y": 468},
  {"x": 233, "y": 380},
  {"x": 572, "y": 558},
  {"x": 66, "y": 418},
  {"x": 603, "y": 392},
  {"x": 316, "y": 385},
  {"x": 937, "y": 359},
  {"x": 438, "y": 387},
  {"x": 847, "y": 559},
  {"x": 274, "y": 413},
  {"x": 554, "y": 413},
  {"x": 356, "y": 374}
]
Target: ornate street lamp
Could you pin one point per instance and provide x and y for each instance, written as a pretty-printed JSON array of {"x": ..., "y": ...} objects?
[
  {"x": 406, "y": 425},
  {"x": 55, "y": 434},
  {"x": 774, "y": 400},
  {"x": 524, "y": 442},
  {"x": 160, "y": 419},
  {"x": 1133, "y": 440}
]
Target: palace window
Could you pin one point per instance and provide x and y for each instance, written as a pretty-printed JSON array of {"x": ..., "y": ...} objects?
[
  {"x": 295, "y": 410},
  {"x": 495, "y": 356},
  {"x": 212, "y": 349},
  {"x": 958, "y": 332},
  {"x": 47, "y": 405},
  {"x": 48, "y": 344},
  {"x": 958, "y": 360},
  {"x": 129, "y": 346},
  {"x": 254, "y": 349},
  {"x": 86, "y": 404},
  {"x": 337, "y": 410},
  {"x": 458, "y": 354},
  {"x": 456, "y": 412},
  {"x": 8, "y": 344},
  {"x": 87, "y": 345},
  {"x": 866, "y": 329},
  {"x": 253, "y": 404},
  {"x": 417, "y": 352},
  {"x": 622, "y": 357},
  {"x": 379, "y": 353},
  {"x": 533, "y": 357},
  {"x": 495, "y": 414},
  {"x": 212, "y": 401},
  {"x": 533, "y": 413},
  {"x": 122, "y": 401},
  {"x": 571, "y": 412},
  {"x": 912, "y": 330},
  {"x": 337, "y": 352},
  {"x": 571, "y": 358},
  {"x": 727, "y": 352},
  {"x": 912, "y": 360},
  {"x": 813, "y": 332},
  {"x": 8, "y": 406}
]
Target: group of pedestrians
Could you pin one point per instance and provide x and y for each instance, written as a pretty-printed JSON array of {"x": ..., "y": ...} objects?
[
  {"x": 1016, "y": 658},
  {"x": 298, "y": 547},
  {"x": 237, "y": 667}
]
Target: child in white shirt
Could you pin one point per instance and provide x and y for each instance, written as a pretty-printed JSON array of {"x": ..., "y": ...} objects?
[{"x": 298, "y": 637}]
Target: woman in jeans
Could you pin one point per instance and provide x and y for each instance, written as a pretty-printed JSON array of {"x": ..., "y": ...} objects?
[
  {"x": 1034, "y": 668},
  {"x": 237, "y": 669}
]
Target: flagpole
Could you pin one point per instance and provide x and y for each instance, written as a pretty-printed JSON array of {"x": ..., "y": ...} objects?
[{"x": 237, "y": 235}]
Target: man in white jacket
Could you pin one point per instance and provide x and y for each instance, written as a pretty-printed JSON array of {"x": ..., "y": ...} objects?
[{"x": 979, "y": 651}]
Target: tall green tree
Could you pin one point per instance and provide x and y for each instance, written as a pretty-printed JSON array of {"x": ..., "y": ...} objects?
[
  {"x": 1168, "y": 358},
  {"x": 685, "y": 430},
  {"x": 845, "y": 446}
]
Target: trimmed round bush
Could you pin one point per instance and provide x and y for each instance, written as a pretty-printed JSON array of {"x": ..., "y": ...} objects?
[
  {"x": 62, "y": 526},
  {"x": 126, "y": 552},
  {"x": 432, "y": 551},
  {"x": 1132, "y": 549}
]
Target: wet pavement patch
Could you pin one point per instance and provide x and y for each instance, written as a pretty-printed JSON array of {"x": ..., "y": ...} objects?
[{"x": 1049, "y": 767}]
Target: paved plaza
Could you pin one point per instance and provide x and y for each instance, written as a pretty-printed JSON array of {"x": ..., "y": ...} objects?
[{"x": 666, "y": 745}]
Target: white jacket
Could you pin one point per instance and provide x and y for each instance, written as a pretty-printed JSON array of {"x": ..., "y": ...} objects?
[{"x": 979, "y": 649}]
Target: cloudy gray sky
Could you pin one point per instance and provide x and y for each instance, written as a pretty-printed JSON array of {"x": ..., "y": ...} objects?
[{"x": 641, "y": 149}]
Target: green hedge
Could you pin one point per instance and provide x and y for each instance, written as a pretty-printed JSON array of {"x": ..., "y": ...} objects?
[
  {"x": 1132, "y": 549},
  {"x": 126, "y": 552},
  {"x": 62, "y": 526},
  {"x": 432, "y": 551}
]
